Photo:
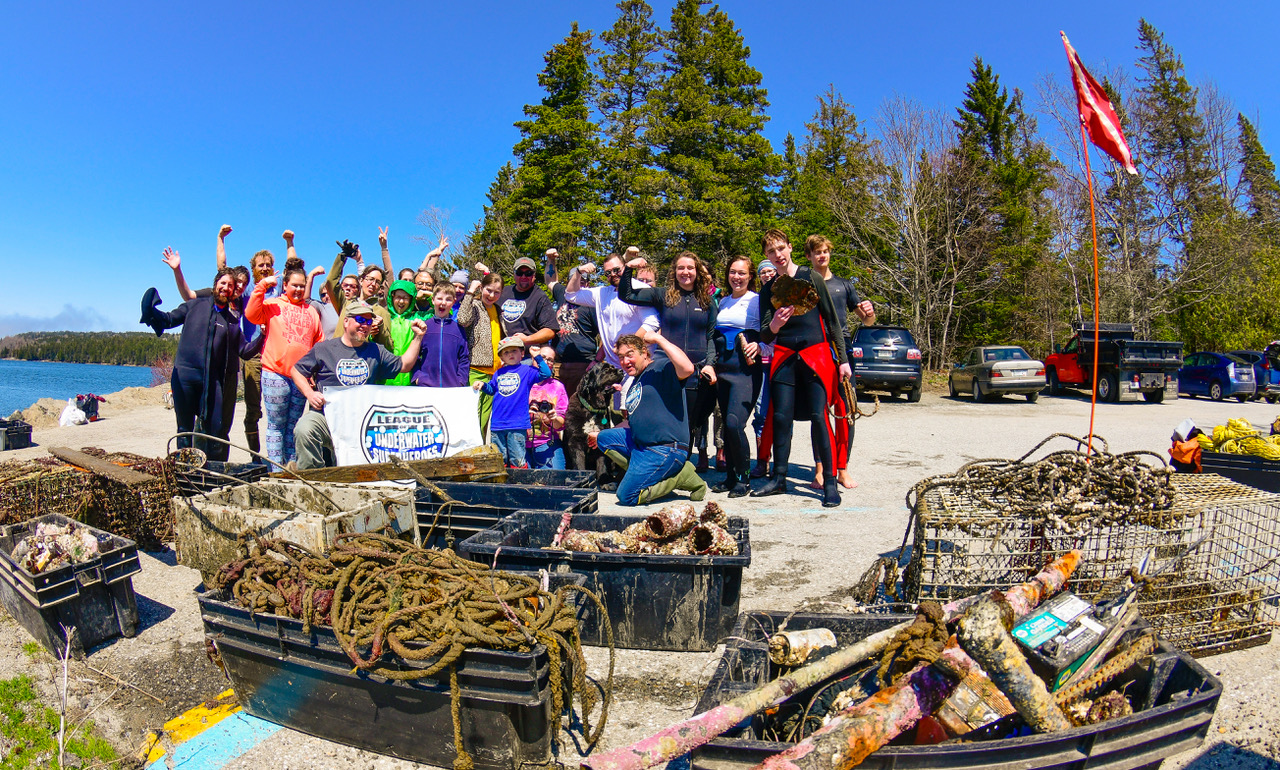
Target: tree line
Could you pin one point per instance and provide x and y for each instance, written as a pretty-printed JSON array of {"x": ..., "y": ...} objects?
[
  {"x": 118, "y": 348},
  {"x": 968, "y": 225}
]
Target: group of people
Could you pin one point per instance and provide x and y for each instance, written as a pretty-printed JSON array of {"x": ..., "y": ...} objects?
[{"x": 688, "y": 349}]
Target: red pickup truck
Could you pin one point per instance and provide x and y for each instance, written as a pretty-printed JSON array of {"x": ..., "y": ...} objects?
[{"x": 1126, "y": 366}]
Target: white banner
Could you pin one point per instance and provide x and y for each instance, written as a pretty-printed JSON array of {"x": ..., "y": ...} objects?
[{"x": 370, "y": 423}]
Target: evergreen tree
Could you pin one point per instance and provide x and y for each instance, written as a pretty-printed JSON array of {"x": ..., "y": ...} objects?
[
  {"x": 628, "y": 71},
  {"x": 556, "y": 194},
  {"x": 1258, "y": 180},
  {"x": 497, "y": 239},
  {"x": 713, "y": 165}
]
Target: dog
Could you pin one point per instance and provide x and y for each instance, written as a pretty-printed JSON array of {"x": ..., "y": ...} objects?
[{"x": 591, "y": 410}]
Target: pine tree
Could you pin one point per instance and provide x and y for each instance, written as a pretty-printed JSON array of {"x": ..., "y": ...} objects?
[
  {"x": 556, "y": 194},
  {"x": 713, "y": 165},
  {"x": 1258, "y": 180},
  {"x": 497, "y": 239},
  {"x": 628, "y": 71}
]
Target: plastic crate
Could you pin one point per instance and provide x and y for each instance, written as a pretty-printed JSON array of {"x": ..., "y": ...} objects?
[
  {"x": 306, "y": 682},
  {"x": 15, "y": 434},
  {"x": 95, "y": 597},
  {"x": 654, "y": 602},
  {"x": 1174, "y": 700},
  {"x": 530, "y": 477},
  {"x": 1257, "y": 472},
  {"x": 481, "y": 505},
  {"x": 189, "y": 482}
]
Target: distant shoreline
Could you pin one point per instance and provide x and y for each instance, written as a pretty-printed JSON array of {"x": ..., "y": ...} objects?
[{"x": 73, "y": 363}]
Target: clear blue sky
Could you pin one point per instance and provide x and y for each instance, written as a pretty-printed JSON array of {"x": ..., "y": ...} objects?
[{"x": 131, "y": 127}]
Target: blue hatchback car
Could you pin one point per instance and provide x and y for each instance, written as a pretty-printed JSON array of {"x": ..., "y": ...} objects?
[{"x": 1216, "y": 375}]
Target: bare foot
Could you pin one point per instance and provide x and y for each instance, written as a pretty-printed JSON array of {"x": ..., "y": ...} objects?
[
  {"x": 846, "y": 479},
  {"x": 816, "y": 483}
]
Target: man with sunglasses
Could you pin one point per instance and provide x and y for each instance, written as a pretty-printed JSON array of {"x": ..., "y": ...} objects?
[
  {"x": 614, "y": 318},
  {"x": 343, "y": 362},
  {"x": 525, "y": 310}
]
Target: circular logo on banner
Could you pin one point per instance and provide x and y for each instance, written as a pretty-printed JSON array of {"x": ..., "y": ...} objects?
[
  {"x": 508, "y": 383},
  {"x": 352, "y": 371},
  {"x": 512, "y": 309},
  {"x": 410, "y": 433}
]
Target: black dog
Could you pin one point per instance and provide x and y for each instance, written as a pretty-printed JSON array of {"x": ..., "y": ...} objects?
[{"x": 590, "y": 410}]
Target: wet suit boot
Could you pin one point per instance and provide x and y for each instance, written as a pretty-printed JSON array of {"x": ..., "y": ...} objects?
[
  {"x": 617, "y": 458},
  {"x": 731, "y": 480},
  {"x": 777, "y": 484},
  {"x": 686, "y": 480},
  {"x": 830, "y": 491}
]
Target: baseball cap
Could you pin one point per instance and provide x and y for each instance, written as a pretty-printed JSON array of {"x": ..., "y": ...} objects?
[
  {"x": 526, "y": 262},
  {"x": 509, "y": 342},
  {"x": 357, "y": 307}
]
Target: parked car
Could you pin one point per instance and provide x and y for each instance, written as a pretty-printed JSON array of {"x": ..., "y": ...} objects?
[
  {"x": 886, "y": 358},
  {"x": 1266, "y": 380},
  {"x": 996, "y": 370},
  {"x": 1216, "y": 375}
]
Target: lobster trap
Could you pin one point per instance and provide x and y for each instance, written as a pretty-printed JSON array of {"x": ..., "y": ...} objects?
[{"x": 1216, "y": 551}]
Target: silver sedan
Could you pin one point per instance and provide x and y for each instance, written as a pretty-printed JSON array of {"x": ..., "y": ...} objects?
[{"x": 993, "y": 370}]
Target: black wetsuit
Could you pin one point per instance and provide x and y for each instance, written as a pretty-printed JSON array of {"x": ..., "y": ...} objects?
[
  {"x": 737, "y": 383},
  {"x": 844, "y": 298},
  {"x": 205, "y": 370},
  {"x": 692, "y": 328}
]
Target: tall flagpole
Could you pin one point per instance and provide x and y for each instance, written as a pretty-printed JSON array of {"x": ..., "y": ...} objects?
[{"x": 1093, "y": 221}]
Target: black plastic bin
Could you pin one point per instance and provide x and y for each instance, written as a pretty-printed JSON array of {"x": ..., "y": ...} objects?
[
  {"x": 1257, "y": 472},
  {"x": 481, "y": 505},
  {"x": 685, "y": 603},
  {"x": 307, "y": 683},
  {"x": 14, "y": 434},
  {"x": 95, "y": 597},
  {"x": 547, "y": 477},
  {"x": 189, "y": 482},
  {"x": 1174, "y": 700}
]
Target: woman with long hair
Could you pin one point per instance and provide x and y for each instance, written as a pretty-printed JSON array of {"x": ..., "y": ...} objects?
[
  {"x": 478, "y": 316},
  {"x": 687, "y": 315},
  {"x": 290, "y": 328},
  {"x": 738, "y": 370}
]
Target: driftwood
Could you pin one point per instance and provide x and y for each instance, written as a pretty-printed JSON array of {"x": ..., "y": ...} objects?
[
  {"x": 126, "y": 476},
  {"x": 696, "y": 731},
  {"x": 482, "y": 461}
]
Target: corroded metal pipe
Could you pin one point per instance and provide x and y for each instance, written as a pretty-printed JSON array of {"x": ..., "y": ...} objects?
[{"x": 698, "y": 730}]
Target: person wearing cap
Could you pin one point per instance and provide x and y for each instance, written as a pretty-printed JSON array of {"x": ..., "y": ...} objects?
[
  {"x": 343, "y": 362},
  {"x": 369, "y": 280},
  {"x": 526, "y": 311},
  {"x": 509, "y": 389}
]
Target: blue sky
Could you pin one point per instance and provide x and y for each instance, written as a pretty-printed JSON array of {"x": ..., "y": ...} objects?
[{"x": 130, "y": 128}]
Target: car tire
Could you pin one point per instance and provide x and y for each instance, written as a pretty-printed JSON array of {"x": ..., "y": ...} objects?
[
  {"x": 1242, "y": 397},
  {"x": 951, "y": 386},
  {"x": 978, "y": 395},
  {"x": 1154, "y": 396},
  {"x": 1031, "y": 397},
  {"x": 1108, "y": 387},
  {"x": 913, "y": 395},
  {"x": 1055, "y": 389},
  {"x": 1215, "y": 391},
  {"x": 1272, "y": 399}
]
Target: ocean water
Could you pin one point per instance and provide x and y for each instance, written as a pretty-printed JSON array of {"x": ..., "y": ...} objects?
[{"x": 22, "y": 383}]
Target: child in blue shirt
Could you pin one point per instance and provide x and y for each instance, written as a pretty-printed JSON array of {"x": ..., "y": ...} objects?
[{"x": 510, "y": 388}]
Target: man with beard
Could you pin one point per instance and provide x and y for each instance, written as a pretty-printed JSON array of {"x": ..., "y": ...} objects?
[
  {"x": 614, "y": 318},
  {"x": 205, "y": 366},
  {"x": 575, "y": 344},
  {"x": 525, "y": 310},
  {"x": 342, "y": 362}
]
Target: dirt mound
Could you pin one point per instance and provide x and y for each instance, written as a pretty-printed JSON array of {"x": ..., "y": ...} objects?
[{"x": 45, "y": 413}]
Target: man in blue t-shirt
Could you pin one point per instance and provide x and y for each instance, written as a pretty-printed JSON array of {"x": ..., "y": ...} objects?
[
  {"x": 654, "y": 447},
  {"x": 343, "y": 362}
]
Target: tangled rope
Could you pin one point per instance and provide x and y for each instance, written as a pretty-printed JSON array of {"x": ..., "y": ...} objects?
[
  {"x": 1070, "y": 491},
  {"x": 383, "y": 595}
]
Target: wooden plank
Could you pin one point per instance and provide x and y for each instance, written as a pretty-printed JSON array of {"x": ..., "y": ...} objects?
[
  {"x": 480, "y": 461},
  {"x": 126, "y": 476}
]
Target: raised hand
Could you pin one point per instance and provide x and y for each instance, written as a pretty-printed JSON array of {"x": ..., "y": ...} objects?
[
  {"x": 382, "y": 236},
  {"x": 587, "y": 269},
  {"x": 551, "y": 255},
  {"x": 649, "y": 336},
  {"x": 171, "y": 259},
  {"x": 419, "y": 328},
  {"x": 288, "y": 236},
  {"x": 266, "y": 283},
  {"x": 480, "y": 267},
  {"x": 319, "y": 270},
  {"x": 224, "y": 231}
]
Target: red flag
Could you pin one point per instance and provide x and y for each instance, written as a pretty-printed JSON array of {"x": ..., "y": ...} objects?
[{"x": 1096, "y": 113}]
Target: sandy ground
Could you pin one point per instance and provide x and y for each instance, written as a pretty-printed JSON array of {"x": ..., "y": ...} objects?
[{"x": 801, "y": 553}]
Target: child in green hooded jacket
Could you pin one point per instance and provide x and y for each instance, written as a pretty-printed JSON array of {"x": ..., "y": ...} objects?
[{"x": 401, "y": 305}]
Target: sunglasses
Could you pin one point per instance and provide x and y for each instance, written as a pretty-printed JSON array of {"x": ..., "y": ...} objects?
[
  {"x": 614, "y": 271},
  {"x": 525, "y": 273},
  {"x": 363, "y": 320}
]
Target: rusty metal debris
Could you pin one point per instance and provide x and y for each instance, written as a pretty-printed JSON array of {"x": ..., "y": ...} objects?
[{"x": 675, "y": 530}]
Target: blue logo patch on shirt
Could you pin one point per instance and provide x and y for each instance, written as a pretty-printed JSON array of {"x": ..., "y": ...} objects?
[
  {"x": 508, "y": 383},
  {"x": 512, "y": 309},
  {"x": 633, "y": 397},
  {"x": 352, "y": 371}
]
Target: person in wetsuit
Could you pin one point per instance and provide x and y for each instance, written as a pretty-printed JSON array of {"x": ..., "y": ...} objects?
[{"x": 738, "y": 371}]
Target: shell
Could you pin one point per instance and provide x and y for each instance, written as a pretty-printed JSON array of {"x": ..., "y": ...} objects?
[{"x": 799, "y": 294}]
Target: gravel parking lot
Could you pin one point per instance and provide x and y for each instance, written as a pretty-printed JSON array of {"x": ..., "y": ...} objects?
[{"x": 801, "y": 552}]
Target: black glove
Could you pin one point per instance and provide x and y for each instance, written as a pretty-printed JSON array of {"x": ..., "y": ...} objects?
[{"x": 150, "y": 316}]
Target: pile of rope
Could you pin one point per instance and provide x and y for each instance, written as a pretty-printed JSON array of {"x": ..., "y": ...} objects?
[
  {"x": 1069, "y": 491},
  {"x": 387, "y": 599},
  {"x": 1239, "y": 437}
]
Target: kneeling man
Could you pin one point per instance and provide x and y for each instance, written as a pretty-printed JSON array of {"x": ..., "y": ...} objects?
[{"x": 654, "y": 448}]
